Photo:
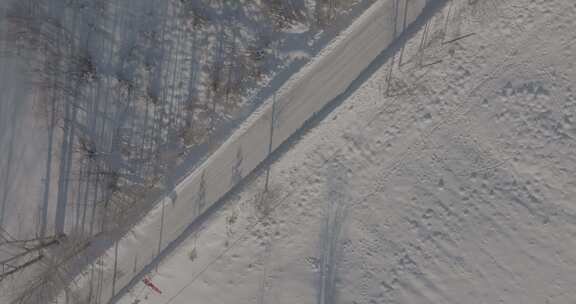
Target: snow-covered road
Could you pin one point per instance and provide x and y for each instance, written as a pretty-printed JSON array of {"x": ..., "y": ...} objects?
[{"x": 305, "y": 94}]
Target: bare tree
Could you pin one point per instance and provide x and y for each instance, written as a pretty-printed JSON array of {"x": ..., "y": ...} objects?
[{"x": 24, "y": 252}]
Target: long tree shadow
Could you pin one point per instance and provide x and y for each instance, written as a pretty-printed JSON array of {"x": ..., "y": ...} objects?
[{"x": 8, "y": 163}]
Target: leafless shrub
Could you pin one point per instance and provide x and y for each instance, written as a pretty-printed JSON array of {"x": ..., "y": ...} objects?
[
  {"x": 25, "y": 254},
  {"x": 34, "y": 29},
  {"x": 152, "y": 96},
  {"x": 52, "y": 277},
  {"x": 327, "y": 10},
  {"x": 193, "y": 254},
  {"x": 84, "y": 66},
  {"x": 284, "y": 12},
  {"x": 197, "y": 15},
  {"x": 265, "y": 201},
  {"x": 230, "y": 221}
]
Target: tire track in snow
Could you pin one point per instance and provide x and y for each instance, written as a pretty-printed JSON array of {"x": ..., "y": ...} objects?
[{"x": 329, "y": 239}]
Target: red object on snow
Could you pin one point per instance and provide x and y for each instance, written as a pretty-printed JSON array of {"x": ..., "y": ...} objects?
[{"x": 149, "y": 283}]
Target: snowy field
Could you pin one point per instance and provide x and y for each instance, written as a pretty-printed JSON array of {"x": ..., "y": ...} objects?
[
  {"x": 445, "y": 174},
  {"x": 106, "y": 105},
  {"x": 441, "y": 171},
  {"x": 304, "y": 95}
]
